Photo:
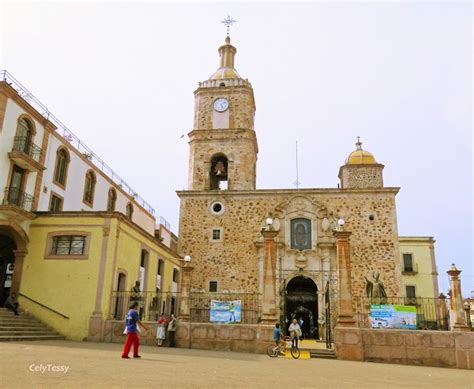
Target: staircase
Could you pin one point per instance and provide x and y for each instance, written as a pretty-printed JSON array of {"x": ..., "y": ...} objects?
[
  {"x": 326, "y": 354},
  {"x": 24, "y": 327}
]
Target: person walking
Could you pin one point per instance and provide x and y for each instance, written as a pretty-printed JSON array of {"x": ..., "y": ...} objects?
[
  {"x": 295, "y": 333},
  {"x": 161, "y": 330},
  {"x": 132, "y": 322},
  {"x": 172, "y": 330}
]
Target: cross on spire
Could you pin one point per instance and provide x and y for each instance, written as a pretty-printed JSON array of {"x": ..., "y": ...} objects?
[
  {"x": 359, "y": 143},
  {"x": 228, "y": 22}
]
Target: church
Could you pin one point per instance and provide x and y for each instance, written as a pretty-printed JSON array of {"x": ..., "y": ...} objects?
[{"x": 278, "y": 245}]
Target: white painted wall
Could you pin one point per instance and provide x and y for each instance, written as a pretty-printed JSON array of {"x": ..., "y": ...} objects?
[
  {"x": 78, "y": 167},
  {"x": 73, "y": 194},
  {"x": 7, "y": 134}
]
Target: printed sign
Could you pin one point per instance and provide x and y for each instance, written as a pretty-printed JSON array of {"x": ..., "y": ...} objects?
[
  {"x": 10, "y": 268},
  {"x": 393, "y": 316},
  {"x": 225, "y": 311}
]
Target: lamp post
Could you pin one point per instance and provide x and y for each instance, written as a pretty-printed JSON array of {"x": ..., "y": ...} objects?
[
  {"x": 184, "y": 310},
  {"x": 345, "y": 310},
  {"x": 269, "y": 314}
]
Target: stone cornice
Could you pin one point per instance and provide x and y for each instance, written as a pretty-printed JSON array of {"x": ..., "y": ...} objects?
[{"x": 272, "y": 192}]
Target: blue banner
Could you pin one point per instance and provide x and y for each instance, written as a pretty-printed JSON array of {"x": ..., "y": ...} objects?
[
  {"x": 393, "y": 316},
  {"x": 225, "y": 311}
]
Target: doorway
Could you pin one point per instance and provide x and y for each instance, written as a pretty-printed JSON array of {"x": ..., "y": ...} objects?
[
  {"x": 301, "y": 300},
  {"x": 7, "y": 263}
]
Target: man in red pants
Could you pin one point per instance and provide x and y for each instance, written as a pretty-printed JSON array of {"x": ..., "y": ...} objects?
[{"x": 132, "y": 331}]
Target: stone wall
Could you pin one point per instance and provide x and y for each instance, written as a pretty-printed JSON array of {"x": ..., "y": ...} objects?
[
  {"x": 234, "y": 261},
  {"x": 409, "y": 347},
  {"x": 361, "y": 176},
  {"x": 253, "y": 338},
  {"x": 240, "y": 148},
  {"x": 241, "y": 106}
]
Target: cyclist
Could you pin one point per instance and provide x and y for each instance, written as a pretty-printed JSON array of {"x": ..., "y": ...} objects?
[{"x": 277, "y": 336}]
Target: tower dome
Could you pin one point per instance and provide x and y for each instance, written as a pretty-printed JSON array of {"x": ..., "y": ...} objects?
[
  {"x": 359, "y": 156},
  {"x": 226, "y": 70},
  {"x": 361, "y": 170}
]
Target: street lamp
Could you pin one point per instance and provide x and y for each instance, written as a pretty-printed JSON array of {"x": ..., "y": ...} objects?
[
  {"x": 187, "y": 259},
  {"x": 340, "y": 224}
]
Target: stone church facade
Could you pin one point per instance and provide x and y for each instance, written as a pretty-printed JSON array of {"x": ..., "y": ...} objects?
[{"x": 224, "y": 217}]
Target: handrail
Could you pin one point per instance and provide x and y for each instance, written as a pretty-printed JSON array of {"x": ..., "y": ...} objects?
[
  {"x": 15, "y": 196},
  {"x": 44, "y": 306},
  {"x": 69, "y": 136}
]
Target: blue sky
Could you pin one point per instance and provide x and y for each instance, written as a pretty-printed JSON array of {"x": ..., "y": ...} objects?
[{"x": 122, "y": 75}]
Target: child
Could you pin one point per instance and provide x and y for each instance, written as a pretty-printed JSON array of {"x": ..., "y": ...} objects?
[
  {"x": 161, "y": 330},
  {"x": 276, "y": 333}
]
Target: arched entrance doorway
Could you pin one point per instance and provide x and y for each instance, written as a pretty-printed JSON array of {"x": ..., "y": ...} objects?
[
  {"x": 13, "y": 244},
  {"x": 302, "y": 303}
]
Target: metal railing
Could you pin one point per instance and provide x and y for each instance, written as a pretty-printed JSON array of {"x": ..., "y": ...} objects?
[
  {"x": 14, "y": 196},
  {"x": 69, "y": 136},
  {"x": 44, "y": 306},
  {"x": 24, "y": 145},
  {"x": 200, "y": 305},
  {"x": 151, "y": 305},
  {"x": 431, "y": 313}
]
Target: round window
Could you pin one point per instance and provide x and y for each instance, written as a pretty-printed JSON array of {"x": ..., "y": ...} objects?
[{"x": 217, "y": 208}]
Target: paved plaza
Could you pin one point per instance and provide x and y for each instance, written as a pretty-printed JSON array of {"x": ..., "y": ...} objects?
[{"x": 87, "y": 365}]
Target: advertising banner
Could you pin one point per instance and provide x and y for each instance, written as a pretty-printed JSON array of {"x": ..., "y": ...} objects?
[
  {"x": 225, "y": 311},
  {"x": 393, "y": 316}
]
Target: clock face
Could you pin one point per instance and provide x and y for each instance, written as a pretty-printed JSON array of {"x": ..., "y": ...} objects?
[{"x": 221, "y": 104}]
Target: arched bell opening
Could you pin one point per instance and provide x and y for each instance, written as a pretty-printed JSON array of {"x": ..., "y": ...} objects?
[{"x": 218, "y": 173}]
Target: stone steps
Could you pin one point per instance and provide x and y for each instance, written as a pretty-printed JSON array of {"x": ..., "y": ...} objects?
[
  {"x": 324, "y": 354},
  {"x": 24, "y": 327}
]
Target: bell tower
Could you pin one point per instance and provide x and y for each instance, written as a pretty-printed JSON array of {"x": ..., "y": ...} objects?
[{"x": 223, "y": 145}]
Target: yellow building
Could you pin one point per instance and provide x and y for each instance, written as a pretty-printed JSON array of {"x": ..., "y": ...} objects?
[
  {"x": 76, "y": 263},
  {"x": 418, "y": 264}
]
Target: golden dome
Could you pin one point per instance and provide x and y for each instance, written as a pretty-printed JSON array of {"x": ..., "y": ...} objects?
[
  {"x": 223, "y": 73},
  {"x": 360, "y": 157},
  {"x": 226, "y": 70}
]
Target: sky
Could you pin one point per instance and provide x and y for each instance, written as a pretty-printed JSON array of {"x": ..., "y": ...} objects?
[{"x": 121, "y": 76}]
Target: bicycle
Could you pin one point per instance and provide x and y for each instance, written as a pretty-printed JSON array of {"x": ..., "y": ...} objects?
[{"x": 274, "y": 351}]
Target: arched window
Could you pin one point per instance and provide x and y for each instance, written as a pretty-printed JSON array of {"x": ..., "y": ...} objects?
[
  {"x": 218, "y": 173},
  {"x": 24, "y": 135},
  {"x": 60, "y": 170},
  {"x": 89, "y": 188},
  {"x": 301, "y": 234},
  {"x": 111, "y": 200},
  {"x": 129, "y": 211}
]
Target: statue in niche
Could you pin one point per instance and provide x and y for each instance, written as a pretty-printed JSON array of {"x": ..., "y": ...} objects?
[
  {"x": 375, "y": 289},
  {"x": 219, "y": 169}
]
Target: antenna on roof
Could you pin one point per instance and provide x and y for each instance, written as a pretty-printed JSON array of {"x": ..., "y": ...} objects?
[{"x": 297, "y": 182}]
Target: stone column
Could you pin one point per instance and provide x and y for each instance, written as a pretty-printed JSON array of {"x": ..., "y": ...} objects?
[
  {"x": 184, "y": 305},
  {"x": 443, "y": 312},
  {"x": 269, "y": 314},
  {"x": 17, "y": 270},
  {"x": 456, "y": 300},
  {"x": 345, "y": 312}
]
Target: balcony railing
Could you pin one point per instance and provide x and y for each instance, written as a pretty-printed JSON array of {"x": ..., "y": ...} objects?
[
  {"x": 24, "y": 145},
  {"x": 75, "y": 142},
  {"x": 16, "y": 197}
]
